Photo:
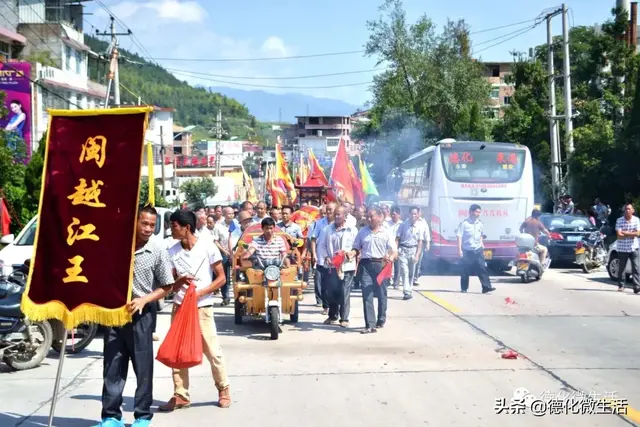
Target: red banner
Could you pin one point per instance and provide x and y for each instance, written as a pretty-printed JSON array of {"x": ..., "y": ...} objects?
[{"x": 84, "y": 245}]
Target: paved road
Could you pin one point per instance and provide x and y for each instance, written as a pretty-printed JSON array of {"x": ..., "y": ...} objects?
[{"x": 438, "y": 362}]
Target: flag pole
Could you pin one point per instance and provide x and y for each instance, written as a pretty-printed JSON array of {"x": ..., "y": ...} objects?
[{"x": 56, "y": 385}]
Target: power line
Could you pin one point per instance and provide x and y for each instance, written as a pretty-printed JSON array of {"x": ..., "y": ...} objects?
[
  {"x": 501, "y": 37},
  {"x": 343, "y": 73},
  {"x": 501, "y": 27},
  {"x": 526, "y": 30},
  {"x": 272, "y": 87},
  {"x": 273, "y": 58},
  {"x": 133, "y": 36}
]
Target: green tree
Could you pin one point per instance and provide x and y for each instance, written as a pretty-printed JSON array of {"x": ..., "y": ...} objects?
[
  {"x": 604, "y": 158},
  {"x": 196, "y": 191},
  {"x": 160, "y": 200},
  {"x": 431, "y": 85}
]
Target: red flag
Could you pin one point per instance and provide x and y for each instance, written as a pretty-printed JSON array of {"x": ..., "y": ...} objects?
[
  {"x": 386, "y": 273},
  {"x": 5, "y": 218},
  {"x": 341, "y": 180},
  {"x": 356, "y": 184}
]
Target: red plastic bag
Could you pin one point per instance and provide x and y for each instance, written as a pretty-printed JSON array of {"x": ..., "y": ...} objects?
[
  {"x": 385, "y": 273},
  {"x": 182, "y": 347},
  {"x": 338, "y": 259}
]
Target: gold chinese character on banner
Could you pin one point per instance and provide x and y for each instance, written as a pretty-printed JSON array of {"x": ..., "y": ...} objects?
[
  {"x": 73, "y": 272},
  {"x": 81, "y": 233},
  {"x": 87, "y": 195},
  {"x": 95, "y": 148}
]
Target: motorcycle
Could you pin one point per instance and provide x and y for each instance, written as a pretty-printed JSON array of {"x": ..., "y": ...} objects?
[
  {"x": 23, "y": 343},
  {"x": 528, "y": 265},
  {"x": 591, "y": 252},
  {"x": 80, "y": 336}
]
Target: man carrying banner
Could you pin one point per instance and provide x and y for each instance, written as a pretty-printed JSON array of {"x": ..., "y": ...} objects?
[
  {"x": 201, "y": 259},
  {"x": 152, "y": 280}
]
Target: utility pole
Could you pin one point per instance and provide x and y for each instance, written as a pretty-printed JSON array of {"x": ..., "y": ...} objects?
[
  {"x": 162, "y": 151},
  {"x": 218, "y": 136},
  {"x": 556, "y": 165},
  {"x": 568, "y": 109},
  {"x": 114, "y": 73}
]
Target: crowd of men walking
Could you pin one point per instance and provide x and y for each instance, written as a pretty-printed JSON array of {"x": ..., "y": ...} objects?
[{"x": 200, "y": 253}]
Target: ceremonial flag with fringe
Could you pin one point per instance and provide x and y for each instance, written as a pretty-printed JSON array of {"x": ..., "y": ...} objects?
[{"x": 82, "y": 267}]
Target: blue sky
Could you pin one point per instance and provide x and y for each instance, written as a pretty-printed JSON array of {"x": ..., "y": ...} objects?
[{"x": 232, "y": 29}]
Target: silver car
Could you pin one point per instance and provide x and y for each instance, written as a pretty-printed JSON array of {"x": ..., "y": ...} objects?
[{"x": 613, "y": 266}]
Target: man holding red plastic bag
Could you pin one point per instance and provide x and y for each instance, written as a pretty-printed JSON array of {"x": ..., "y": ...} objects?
[
  {"x": 202, "y": 261},
  {"x": 152, "y": 280}
]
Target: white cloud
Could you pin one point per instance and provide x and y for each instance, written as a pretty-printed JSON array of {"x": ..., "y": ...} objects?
[
  {"x": 188, "y": 11},
  {"x": 180, "y": 17},
  {"x": 185, "y": 11},
  {"x": 274, "y": 45}
]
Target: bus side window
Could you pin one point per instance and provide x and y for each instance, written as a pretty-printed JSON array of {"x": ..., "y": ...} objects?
[{"x": 427, "y": 173}]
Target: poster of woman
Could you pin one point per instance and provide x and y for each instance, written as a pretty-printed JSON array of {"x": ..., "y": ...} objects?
[{"x": 16, "y": 122}]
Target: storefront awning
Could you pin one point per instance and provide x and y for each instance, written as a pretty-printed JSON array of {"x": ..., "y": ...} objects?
[{"x": 9, "y": 35}]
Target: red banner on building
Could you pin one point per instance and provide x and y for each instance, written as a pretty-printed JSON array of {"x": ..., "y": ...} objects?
[{"x": 84, "y": 246}]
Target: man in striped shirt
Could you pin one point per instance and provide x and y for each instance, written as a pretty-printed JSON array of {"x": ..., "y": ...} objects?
[
  {"x": 627, "y": 246},
  {"x": 268, "y": 247}
]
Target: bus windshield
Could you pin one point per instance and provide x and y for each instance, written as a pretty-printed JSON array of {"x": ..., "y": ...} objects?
[{"x": 488, "y": 165}]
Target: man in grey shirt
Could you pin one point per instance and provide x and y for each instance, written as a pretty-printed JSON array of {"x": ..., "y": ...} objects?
[
  {"x": 471, "y": 251},
  {"x": 152, "y": 280},
  {"x": 376, "y": 248}
]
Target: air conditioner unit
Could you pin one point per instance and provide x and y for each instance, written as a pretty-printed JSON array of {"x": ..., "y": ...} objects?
[{"x": 319, "y": 133}]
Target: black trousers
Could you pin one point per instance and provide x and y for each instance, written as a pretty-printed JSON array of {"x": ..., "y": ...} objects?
[
  {"x": 153, "y": 307},
  {"x": 320, "y": 284},
  {"x": 226, "y": 264},
  {"x": 133, "y": 341},
  {"x": 340, "y": 294},
  {"x": 633, "y": 258},
  {"x": 368, "y": 271},
  {"x": 473, "y": 264}
]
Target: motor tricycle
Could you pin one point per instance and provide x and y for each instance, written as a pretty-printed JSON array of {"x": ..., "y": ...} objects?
[{"x": 265, "y": 289}]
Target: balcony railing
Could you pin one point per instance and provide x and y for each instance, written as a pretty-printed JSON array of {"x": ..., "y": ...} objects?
[{"x": 69, "y": 78}]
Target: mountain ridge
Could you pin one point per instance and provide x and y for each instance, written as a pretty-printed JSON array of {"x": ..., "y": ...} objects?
[{"x": 276, "y": 107}]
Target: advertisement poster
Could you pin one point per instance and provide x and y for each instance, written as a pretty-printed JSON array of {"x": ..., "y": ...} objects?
[{"x": 15, "y": 83}]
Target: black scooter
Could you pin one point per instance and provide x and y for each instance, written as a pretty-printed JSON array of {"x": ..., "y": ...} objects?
[{"x": 23, "y": 343}]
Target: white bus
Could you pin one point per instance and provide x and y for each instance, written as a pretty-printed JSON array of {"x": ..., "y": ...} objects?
[{"x": 445, "y": 179}]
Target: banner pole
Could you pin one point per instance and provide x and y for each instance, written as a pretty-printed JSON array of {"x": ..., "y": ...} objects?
[{"x": 56, "y": 385}]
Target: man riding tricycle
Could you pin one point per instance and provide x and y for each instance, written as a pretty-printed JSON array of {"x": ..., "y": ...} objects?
[{"x": 265, "y": 281}]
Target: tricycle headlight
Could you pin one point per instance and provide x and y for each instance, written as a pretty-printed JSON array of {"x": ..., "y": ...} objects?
[{"x": 272, "y": 273}]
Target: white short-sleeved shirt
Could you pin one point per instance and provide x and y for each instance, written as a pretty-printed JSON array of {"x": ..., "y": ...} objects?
[{"x": 196, "y": 262}]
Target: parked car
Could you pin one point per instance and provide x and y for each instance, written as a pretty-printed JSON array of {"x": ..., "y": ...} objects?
[
  {"x": 20, "y": 248},
  {"x": 565, "y": 232},
  {"x": 613, "y": 266}
]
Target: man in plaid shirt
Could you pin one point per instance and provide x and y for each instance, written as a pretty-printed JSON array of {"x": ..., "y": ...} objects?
[{"x": 628, "y": 231}]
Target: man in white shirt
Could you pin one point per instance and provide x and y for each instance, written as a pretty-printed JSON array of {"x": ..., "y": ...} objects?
[
  {"x": 201, "y": 224},
  {"x": 200, "y": 259},
  {"x": 221, "y": 240},
  {"x": 339, "y": 237},
  {"x": 261, "y": 212},
  {"x": 393, "y": 224},
  {"x": 426, "y": 238},
  {"x": 350, "y": 220}
]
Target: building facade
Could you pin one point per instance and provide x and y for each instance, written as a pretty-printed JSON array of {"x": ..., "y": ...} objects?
[
  {"x": 496, "y": 74},
  {"x": 11, "y": 42},
  {"x": 54, "y": 40}
]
